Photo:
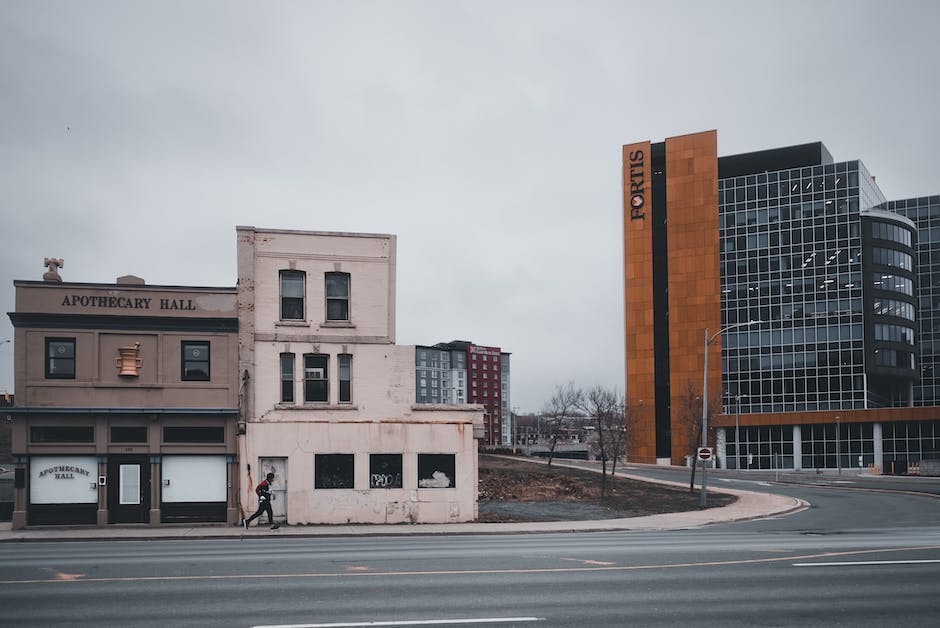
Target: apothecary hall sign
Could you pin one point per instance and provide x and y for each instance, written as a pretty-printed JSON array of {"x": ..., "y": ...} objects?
[
  {"x": 128, "y": 303},
  {"x": 65, "y": 472}
]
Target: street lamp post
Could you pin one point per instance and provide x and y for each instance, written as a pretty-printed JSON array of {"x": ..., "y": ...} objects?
[{"x": 708, "y": 342}]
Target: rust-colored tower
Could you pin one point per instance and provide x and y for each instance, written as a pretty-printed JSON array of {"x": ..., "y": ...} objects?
[{"x": 671, "y": 286}]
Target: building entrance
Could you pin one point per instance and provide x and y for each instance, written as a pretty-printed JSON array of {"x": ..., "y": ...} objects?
[
  {"x": 277, "y": 466},
  {"x": 128, "y": 489}
]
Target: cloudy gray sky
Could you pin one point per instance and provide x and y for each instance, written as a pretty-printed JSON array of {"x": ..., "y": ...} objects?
[{"x": 486, "y": 135}]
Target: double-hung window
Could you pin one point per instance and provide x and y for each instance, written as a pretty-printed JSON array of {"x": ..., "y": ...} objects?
[
  {"x": 316, "y": 380},
  {"x": 292, "y": 295},
  {"x": 287, "y": 377},
  {"x": 345, "y": 377},
  {"x": 337, "y": 296},
  {"x": 60, "y": 358},
  {"x": 195, "y": 361}
]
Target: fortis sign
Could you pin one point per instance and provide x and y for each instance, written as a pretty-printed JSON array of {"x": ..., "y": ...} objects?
[{"x": 637, "y": 186}]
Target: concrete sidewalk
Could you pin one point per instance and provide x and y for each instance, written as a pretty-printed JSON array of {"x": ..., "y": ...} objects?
[{"x": 749, "y": 506}]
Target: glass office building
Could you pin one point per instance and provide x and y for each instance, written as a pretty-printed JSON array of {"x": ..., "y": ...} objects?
[
  {"x": 831, "y": 278},
  {"x": 839, "y": 369}
]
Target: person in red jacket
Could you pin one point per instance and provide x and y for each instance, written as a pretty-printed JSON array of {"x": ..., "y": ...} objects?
[{"x": 263, "y": 491}]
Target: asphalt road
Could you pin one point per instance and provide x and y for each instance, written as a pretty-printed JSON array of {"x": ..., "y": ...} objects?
[
  {"x": 849, "y": 478},
  {"x": 854, "y": 558}
]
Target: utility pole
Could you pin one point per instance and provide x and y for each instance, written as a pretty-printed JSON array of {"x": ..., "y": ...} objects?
[{"x": 708, "y": 341}]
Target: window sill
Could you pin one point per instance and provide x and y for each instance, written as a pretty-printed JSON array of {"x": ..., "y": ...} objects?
[
  {"x": 291, "y": 324},
  {"x": 346, "y": 324},
  {"x": 312, "y": 405}
]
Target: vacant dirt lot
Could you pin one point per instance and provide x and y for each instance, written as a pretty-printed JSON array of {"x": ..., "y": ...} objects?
[{"x": 518, "y": 490}]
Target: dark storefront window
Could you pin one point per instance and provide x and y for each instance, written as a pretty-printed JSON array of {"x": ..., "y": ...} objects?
[
  {"x": 128, "y": 434},
  {"x": 62, "y": 434},
  {"x": 185, "y": 434},
  {"x": 334, "y": 471},
  {"x": 385, "y": 471},
  {"x": 436, "y": 471}
]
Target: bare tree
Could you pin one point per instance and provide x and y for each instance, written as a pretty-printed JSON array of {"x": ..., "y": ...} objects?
[
  {"x": 562, "y": 406},
  {"x": 621, "y": 431},
  {"x": 606, "y": 408},
  {"x": 688, "y": 422},
  {"x": 615, "y": 424}
]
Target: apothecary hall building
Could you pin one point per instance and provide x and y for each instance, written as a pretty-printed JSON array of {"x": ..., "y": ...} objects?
[
  {"x": 127, "y": 403},
  {"x": 820, "y": 298}
]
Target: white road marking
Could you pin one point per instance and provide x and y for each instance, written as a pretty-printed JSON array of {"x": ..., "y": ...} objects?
[
  {"x": 866, "y": 563},
  {"x": 757, "y": 482},
  {"x": 410, "y": 622},
  {"x": 588, "y": 562}
]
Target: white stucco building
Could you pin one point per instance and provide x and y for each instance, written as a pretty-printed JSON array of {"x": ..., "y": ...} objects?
[{"x": 328, "y": 398}]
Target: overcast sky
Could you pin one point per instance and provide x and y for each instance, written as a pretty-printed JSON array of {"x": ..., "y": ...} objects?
[{"x": 486, "y": 135}]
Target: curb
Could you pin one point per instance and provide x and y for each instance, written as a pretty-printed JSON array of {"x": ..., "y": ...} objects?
[{"x": 749, "y": 506}]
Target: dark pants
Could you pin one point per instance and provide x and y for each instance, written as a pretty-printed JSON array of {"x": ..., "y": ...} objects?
[{"x": 263, "y": 506}]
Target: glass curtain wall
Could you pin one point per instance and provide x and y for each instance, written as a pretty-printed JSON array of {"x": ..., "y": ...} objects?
[
  {"x": 791, "y": 257},
  {"x": 925, "y": 213}
]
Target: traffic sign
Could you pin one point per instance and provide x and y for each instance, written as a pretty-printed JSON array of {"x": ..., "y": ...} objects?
[{"x": 705, "y": 453}]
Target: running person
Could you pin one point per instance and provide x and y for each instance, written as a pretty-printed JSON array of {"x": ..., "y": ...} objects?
[{"x": 263, "y": 491}]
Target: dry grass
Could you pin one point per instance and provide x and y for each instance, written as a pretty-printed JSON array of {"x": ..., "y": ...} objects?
[{"x": 506, "y": 481}]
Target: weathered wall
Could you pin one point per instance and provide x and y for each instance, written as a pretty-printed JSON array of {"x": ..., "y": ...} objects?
[
  {"x": 380, "y": 418},
  {"x": 300, "y": 440}
]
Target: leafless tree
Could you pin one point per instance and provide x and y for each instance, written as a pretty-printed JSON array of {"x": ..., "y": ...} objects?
[
  {"x": 606, "y": 408},
  {"x": 631, "y": 417},
  {"x": 688, "y": 422},
  {"x": 615, "y": 426},
  {"x": 562, "y": 406}
]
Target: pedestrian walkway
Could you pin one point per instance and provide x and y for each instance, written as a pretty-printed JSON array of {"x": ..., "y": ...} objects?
[{"x": 749, "y": 506}]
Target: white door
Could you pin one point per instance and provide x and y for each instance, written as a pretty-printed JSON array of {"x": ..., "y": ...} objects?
[{"x": 277, "y": 466}]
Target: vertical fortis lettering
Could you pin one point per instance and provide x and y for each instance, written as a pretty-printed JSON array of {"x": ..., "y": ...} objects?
[{"x": 637, "y": 184}]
